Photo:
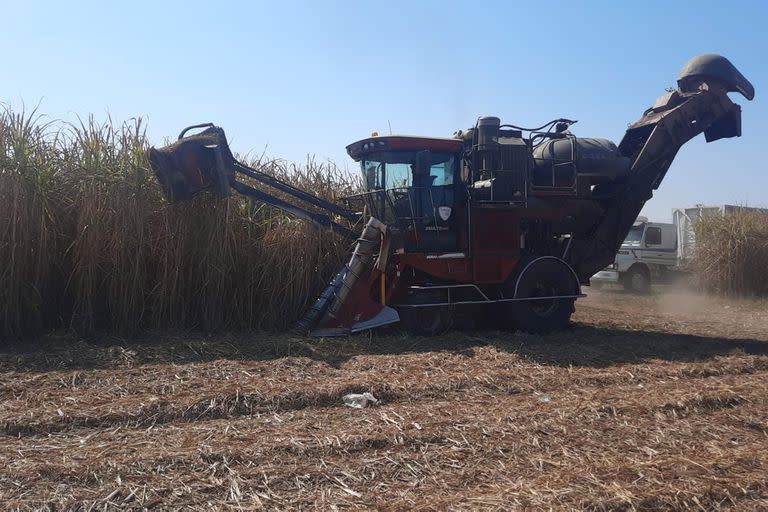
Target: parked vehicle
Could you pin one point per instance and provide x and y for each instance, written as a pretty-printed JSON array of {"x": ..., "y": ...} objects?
[
  {"x": 655, "y": 252},
  {"x": 648, "y": 254}
]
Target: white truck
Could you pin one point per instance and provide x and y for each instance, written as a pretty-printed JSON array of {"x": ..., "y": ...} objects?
[
  {"x": 648, "y": 254},
  {"x": 653, "y": 252}
]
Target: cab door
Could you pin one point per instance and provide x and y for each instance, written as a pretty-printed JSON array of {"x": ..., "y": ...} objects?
[
  {"x": 439, "y": 209},
  {"x": 659, "y": 246}
]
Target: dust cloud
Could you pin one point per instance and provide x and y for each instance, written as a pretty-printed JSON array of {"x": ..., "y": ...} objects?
[
  {"x": 694, "y": 312},
  {"x": 682, "y": 301}
]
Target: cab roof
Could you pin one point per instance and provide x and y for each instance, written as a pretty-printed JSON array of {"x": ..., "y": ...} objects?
[{"x": 357, "y": 150}]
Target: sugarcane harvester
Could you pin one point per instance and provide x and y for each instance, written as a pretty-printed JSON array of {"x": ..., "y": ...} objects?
[{"x": 499, "y": 220}]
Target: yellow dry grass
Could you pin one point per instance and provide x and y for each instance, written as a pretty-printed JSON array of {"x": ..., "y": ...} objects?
[
  {"x": 640, "y": 406},
  {"x": 732, "y": 253},
  {"x": 87, "y": 242}
]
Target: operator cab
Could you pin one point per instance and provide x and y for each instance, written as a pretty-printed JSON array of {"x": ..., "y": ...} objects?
[{"x": 409, "y": 184}]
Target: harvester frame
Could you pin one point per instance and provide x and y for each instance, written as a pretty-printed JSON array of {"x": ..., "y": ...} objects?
[{"x": 489, "y": 217}]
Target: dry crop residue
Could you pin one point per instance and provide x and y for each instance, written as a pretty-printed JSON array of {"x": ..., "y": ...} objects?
[{"x": 641, "y": 405}]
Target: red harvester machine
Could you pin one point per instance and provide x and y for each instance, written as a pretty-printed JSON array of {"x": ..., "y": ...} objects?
[{"x": 497, "y": 218}]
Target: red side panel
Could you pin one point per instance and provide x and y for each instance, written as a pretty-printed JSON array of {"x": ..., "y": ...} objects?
[
  {"x": 495, "y": 244},
  {"x": 494, "y": 256},
  {"x": 360, "y": 304},
  {"x": 452, "y": 269}
]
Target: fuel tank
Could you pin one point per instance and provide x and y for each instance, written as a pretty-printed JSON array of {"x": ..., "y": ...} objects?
[{"x": 598, "y": 159}]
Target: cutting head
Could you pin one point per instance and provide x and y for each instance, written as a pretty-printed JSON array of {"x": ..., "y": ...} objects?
[{"x": 194, "y": 163}]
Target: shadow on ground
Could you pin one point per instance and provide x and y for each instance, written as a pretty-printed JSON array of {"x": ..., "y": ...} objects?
[{"x": 580, "y": 345}]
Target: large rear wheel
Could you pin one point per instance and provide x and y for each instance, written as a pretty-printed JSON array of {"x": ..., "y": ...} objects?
[{"x": 547, "y": 277}]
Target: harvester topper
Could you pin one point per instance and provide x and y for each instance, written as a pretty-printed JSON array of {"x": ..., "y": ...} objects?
[{"x": 498, "y": 220}]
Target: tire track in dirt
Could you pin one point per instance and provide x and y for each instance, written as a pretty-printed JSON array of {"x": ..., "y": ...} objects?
[{"x": 519, "y": 379}]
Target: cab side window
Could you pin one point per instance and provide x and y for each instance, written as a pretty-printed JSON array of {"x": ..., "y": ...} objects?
[
  {"x": 653, "y": 236},
  {"x": 442, "y": 173}
]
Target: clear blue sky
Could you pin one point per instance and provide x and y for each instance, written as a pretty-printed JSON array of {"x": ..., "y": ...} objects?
[{"x": 302, "y": 78}]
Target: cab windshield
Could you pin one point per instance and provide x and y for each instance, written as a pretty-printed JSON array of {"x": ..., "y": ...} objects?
[
  {"x": 635, "y": 235},
  {"x": 395, "y": 170}
]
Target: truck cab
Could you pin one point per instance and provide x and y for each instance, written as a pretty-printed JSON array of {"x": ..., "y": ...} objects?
[{"x": 646, "y": 256}]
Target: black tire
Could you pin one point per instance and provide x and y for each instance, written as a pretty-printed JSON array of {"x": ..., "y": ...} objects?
[
  {"x": 637, "y": 280},
  {"x": 426, "y": 320},
  {"x": 544, "y": 278}
]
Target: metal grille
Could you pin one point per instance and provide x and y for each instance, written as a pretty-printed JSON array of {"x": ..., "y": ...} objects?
[
  {"x": 513, "y": 157},
  {"x": 512, "y": 174}
]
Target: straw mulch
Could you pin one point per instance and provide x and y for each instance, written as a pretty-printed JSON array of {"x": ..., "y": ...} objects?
[{"x": 635, "y": 408}]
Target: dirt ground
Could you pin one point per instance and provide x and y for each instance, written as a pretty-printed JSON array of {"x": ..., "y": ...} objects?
[{"x": 646, "y": 403}]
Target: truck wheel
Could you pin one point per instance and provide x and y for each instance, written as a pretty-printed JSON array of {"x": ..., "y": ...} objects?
[
  {"x": 545, "y": 278},
  {"x": 637, "y": 280},
  {"x": 426, "y": 321},
  {"x": 429, "y": 320}
]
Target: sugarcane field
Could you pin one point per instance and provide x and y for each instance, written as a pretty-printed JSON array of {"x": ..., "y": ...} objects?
[{"x": 305, "y": 256}]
